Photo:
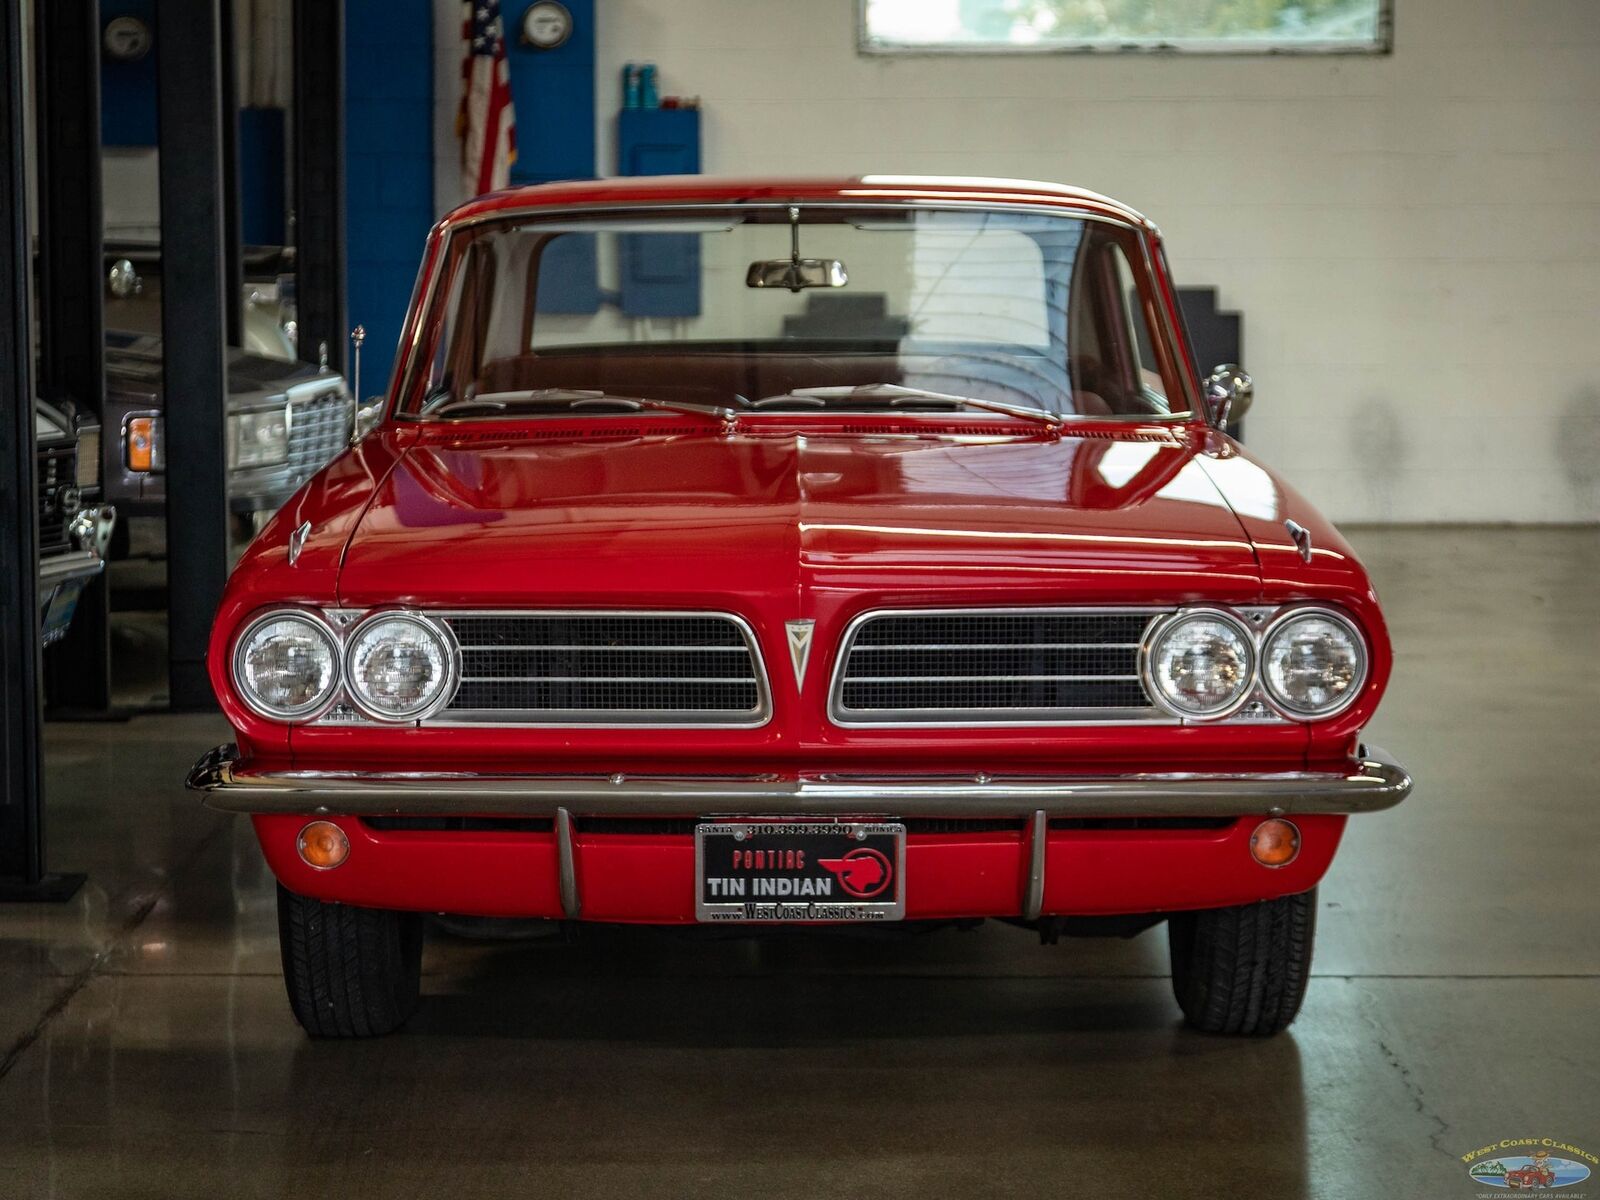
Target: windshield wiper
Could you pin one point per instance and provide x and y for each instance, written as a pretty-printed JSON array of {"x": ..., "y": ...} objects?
[
  {"x": 579, "y": 398},
  {"x": 899, "y": 396}
]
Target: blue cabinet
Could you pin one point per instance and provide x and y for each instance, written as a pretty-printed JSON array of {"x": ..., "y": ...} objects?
[{"x": 659, "y": 273}]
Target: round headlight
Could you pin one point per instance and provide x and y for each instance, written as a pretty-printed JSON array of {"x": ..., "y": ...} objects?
[
  {"x": 1200, "y": 663},
  {"x": 400, "y": 667},
  {"x": 1314, "y": 662},
  {"x": 286, "y": 665}
]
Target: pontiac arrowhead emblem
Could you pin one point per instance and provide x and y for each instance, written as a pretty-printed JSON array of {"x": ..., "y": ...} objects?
[{"x": 799, "y": 649}]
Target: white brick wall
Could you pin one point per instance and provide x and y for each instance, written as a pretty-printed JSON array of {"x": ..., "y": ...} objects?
[{"x": 1414, "y": 239}]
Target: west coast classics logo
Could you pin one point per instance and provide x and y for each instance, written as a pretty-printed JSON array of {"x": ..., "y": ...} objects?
[{"x": 1528, "y": 1164}]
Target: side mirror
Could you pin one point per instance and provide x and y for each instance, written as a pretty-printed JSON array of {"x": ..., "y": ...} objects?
[
  {"x": 369, "y": 415},
  {"x": 1229, "y": 392}
]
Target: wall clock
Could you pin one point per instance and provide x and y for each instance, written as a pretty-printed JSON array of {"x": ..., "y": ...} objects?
[
  {"x": 546, "y": 25},
  {"x": 126, "y": 39}
]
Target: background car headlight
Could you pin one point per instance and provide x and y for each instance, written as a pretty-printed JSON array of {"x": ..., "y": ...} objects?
[
  {"x": 286, "y": 665},
  {"x": 1201, "y": 663},
  {"x": 258, "y": 439},
  {"x": 400, "y": 667},
  {"x": 1313, "y": 662}
]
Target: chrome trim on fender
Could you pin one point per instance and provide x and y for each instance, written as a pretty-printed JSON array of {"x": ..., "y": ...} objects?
[
  {"x": 1301, "y": 536},
  {"x": 1369, "y": 783}
]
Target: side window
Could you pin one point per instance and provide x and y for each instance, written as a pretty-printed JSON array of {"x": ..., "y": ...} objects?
[{"x": 1135, "y": 332}]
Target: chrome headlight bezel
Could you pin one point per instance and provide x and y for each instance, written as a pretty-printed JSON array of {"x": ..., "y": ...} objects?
[
  {"x": 299, "y": 713},
  {"x": 450, "y": 652},
  {"x": 1163, "y": 629},
  {"x": 1275, "y": 628},
  {"x": 262, "y": 454}
]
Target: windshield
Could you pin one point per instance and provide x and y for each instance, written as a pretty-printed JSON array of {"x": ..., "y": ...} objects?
[{"x": 797, "y": 308}]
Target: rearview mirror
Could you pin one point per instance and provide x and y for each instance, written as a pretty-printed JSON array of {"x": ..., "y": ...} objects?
[
  {"x": 796, "y": 273},
  {"x": 1229, "y": 392}
]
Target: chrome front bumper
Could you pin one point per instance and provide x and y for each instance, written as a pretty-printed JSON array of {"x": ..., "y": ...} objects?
[
  {"x": 67, "y": 566},
  {"x": 1370, "y": 783}
]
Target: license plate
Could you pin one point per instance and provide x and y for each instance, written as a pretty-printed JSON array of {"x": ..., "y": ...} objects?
[
  {"x": 59, "y": 608},
  {"x": 788, "y": 870}
]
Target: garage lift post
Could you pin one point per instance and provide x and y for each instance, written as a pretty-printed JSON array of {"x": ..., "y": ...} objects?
[
  {"x": 22, "y": 870},
  {"x": 193, "y": 300},
  {"x": 71, "y": 273},
  {"x": 321, "y": 288}
]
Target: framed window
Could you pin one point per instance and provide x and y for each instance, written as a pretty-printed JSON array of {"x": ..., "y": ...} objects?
[{"x": 1066, "y": 26}]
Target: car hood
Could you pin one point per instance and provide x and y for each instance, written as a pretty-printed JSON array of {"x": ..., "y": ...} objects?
[
  {"x": 794, "y": 521},
  {"x": 134, "y": 374}
]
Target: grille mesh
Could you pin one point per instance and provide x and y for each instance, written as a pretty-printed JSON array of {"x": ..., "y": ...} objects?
[
  {"x": 318, "y": 430},
  {"x": 56, "y": 471},
  {"x": 965, "y": 667},
  {"x": 606, "y": 667}
]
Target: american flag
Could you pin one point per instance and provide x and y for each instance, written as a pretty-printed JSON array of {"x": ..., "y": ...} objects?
[{"x": 486, "y": 124}]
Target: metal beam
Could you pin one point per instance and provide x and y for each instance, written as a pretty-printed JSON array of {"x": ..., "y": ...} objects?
[
  {"x": 189, "y": 96},
  {"x": 22, "y": 858},
  {"x": 232, "y": 247},
  {"x": 319, "y": 180},
  {"x": 71, "y": 283}
]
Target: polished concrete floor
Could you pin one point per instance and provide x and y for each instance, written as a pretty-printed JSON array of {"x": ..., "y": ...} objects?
[{"x": 146, "y": 1048}]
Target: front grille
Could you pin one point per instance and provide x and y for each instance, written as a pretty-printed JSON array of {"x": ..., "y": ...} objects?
[
  {"x": 615, "y": 668},
  {"x": 318, "y": 429},
  {"x": 57, "y": 473},
  {"x": 88, "y": 468},
  {"x": 992, "y": 666}
]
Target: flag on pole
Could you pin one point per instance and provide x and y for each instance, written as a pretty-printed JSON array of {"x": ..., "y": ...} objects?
[{"x": 486, "y": 123}]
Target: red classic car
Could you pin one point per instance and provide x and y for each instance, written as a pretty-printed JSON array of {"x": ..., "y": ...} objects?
[
  {"x": 1533, "y": 1175},
  {"x": 778, "y": 551}
]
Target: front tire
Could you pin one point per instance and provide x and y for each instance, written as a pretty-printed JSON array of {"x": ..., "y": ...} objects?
[
  {"x": 1244, "y": 969},
  {"x": 350, "y": 972}
]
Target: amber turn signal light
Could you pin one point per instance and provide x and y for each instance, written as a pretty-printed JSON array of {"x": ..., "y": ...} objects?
[
  {"x": 141, "y": 444},
  {"x": 1275, "y": 843},
  {"x": 323, "y": 845}
]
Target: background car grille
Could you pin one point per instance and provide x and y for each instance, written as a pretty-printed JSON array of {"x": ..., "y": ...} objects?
[
  {"x": 57, "y": 470},
  {"x": 993, "y": 666},
  {"x": 607, "y": 669},
  {"x": 318, "y": 429}
]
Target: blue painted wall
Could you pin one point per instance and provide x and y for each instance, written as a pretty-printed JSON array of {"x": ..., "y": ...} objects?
[
  {"x": 388, "y": 166},
  {"x": 389, "y": 92},
  {"x": 128, "y": 90}
]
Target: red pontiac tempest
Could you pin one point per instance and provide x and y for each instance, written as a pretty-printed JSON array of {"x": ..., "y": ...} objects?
[{"x": 855, "y": 551}]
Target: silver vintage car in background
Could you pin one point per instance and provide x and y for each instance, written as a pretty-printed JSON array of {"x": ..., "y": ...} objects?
[
  {"x": 285, "y": 419},
  {"x": 74, "y": 527}
]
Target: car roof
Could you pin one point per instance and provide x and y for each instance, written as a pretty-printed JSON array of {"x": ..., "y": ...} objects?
[{"x": 711, "y": 189}]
